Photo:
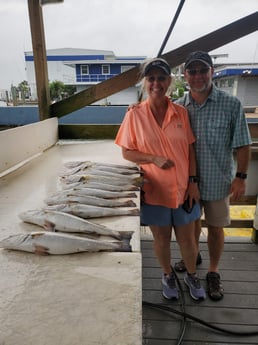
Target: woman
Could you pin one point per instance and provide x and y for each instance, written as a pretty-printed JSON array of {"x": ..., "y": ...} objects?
[{"x": 156, "y": 135}]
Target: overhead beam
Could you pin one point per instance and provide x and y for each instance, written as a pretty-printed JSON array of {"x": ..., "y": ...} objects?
[{"x": 211, "y": 41}]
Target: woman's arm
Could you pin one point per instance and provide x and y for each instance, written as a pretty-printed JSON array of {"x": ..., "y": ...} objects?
[{"x": 146, "y": 158}]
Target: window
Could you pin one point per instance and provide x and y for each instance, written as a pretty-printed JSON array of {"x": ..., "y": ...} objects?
[
  {"x": 105, "y": 69},
  {"x": 84, "y": 69}
]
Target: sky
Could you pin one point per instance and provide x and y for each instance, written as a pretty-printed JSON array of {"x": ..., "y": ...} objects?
[{"x": 128, "y": 28}]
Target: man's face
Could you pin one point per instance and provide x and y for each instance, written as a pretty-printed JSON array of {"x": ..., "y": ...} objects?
[{"x": 199, "y": 77}]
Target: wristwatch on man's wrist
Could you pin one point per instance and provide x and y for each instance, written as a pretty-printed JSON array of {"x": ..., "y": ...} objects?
[{"x": 241, "y": 175}]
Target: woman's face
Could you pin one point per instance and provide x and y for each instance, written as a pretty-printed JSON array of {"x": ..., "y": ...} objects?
[{"x": 157, "y": 83}]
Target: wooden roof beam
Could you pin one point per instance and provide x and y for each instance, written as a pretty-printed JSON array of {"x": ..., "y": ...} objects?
[{"x": 211, "y": 41}]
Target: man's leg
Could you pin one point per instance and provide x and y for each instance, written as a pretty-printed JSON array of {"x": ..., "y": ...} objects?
[{"x": 215, "y": 246}]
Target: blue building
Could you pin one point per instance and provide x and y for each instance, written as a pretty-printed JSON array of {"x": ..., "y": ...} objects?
[{"x": 83, "y": 68}]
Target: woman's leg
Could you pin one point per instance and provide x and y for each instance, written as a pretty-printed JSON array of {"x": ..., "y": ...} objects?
[
  {"x": 161, "y": 245},
  {"x": 185, "y": 236}
]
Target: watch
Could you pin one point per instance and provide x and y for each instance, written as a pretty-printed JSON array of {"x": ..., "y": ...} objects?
[
  {"x": 241, "y": 175},
  {"x": 193, "y": 179}
]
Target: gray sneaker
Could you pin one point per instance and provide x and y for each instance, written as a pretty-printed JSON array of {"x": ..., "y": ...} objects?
[
  {"x": 196, "y": 291},
  {"x": 169, "y": 288}
]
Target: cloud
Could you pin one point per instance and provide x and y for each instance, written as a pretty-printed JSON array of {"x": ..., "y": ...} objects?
[{"x": 135, "y": 27}]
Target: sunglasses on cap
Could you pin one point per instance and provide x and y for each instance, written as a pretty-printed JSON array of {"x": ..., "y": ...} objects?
[{"x": 194, "y": 71}]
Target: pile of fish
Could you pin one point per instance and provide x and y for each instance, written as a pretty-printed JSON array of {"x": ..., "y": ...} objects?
[{"x": 89, "y": 190}]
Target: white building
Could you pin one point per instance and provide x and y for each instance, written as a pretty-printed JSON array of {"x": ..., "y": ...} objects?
[{"x": 83, "y": 68}]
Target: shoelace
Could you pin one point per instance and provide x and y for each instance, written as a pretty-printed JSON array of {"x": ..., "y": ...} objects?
[
  {"x": 195, "y": 280},
  {"x": 171, "y": 281}
]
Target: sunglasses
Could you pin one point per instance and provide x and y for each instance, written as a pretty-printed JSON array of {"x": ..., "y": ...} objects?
[
  {"x": 160, "y": 78},
  {"x": 194, "y": 71}
]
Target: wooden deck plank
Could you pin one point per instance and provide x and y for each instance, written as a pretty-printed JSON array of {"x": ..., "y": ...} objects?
[{"x": 238, "y": 311}]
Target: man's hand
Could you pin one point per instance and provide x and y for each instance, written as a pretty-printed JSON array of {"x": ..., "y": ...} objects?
[{"x": 237, "y": 188}]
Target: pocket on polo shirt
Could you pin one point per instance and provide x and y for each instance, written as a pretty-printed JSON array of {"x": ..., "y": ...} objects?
[{"x": 218, "y": 130}]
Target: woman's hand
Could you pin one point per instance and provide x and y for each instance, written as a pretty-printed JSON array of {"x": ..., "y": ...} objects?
[
  {"x": 163, "y": 162},
  {"x": 193, "y": 193}
]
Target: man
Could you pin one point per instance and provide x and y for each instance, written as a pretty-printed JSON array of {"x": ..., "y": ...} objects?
[{"x": 219, "y": 125}]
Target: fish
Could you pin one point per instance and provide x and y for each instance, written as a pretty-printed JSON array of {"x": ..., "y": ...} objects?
[
  {"x": 89, "y": 200},
  {"x": 44, "y": 243},
  {"x": 105, "y": 194},
  {"x": 89, "y": 211},
  {"x": 101, "y": 172},
  {"x": 75, "y": 164},
  {"x": 85, "y": 167},
  {"x": 65, "y": 222},
  {"x": 101, "y": 186},
  {"x": 137, "y": 181}
]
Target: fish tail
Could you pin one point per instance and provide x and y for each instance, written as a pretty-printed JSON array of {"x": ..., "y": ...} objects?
[
  {"x": 124, "y": 246},
  {"x": 138, "y": 181},
  {"x": 134, "y": 212},
  {"x": 132, "y": 195},
  {"x": 126, "y": 234},
  {"x": 130, "y": 203}
]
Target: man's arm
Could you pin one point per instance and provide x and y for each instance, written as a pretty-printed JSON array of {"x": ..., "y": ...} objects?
[{"x": 238, "y": 184}]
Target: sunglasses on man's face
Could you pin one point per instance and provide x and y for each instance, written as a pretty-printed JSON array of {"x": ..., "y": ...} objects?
[{"x": 194, "y": 71}]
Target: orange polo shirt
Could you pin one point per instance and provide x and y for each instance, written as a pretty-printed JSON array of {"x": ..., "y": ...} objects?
[{"x": 140, "y": 131}]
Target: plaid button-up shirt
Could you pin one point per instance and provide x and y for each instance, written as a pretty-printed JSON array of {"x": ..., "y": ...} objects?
[{"x": 219, "y": 126}]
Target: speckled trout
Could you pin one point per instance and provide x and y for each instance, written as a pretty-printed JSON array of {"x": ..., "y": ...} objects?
[
  {"x": 85, "y": 167},
  {"x": 105, "y": 194},
  {"x": 44, "y": 243},
  {"x": 76, "y": 164},
  {"x": 89, "y": 211},
  {"x": 65, "y": 222},
  {"x": 88, "y": 200},
  {"x": 118, "y": 181},
  {"x": 101, "y": 186}
]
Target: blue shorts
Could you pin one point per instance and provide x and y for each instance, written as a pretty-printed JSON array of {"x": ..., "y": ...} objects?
[{"x": 163, "y": 216}]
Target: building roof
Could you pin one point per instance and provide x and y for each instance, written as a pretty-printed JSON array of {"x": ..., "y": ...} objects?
[{"x": 244, "y": 70}]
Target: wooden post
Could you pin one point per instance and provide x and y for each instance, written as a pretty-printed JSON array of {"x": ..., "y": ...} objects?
[
  {"x": 40, "y": 60},
  {"x": 255, "y": 225}
]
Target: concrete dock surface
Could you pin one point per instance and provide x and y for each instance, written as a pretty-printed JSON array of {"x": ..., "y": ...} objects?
[{"x": 75, "y": 299}]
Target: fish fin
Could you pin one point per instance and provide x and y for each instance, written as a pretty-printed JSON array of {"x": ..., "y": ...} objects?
[
  {"x": 49, "y": 226},
  {"x": 40, "y": 250},
  {"x": 130, "y": 203}
]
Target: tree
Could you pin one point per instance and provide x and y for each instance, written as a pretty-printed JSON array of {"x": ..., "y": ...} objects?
[
  {"x": 24, "y": 89},
  {"x": 58, "y": 90}
]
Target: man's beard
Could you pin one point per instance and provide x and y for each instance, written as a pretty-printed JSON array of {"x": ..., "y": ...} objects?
[{"x": 204, "y": 88}]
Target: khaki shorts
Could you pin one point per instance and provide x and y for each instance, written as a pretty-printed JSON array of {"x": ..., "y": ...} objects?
[{"x": 216, "y": 212}]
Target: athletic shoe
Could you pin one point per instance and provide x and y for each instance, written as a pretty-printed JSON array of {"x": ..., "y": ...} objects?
[
  {"x": 169, "y": 288},
  {"x": 195, "y": 289},
  {"x": 214, "y": 286},
  {"x": 180, "y": 265}
]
